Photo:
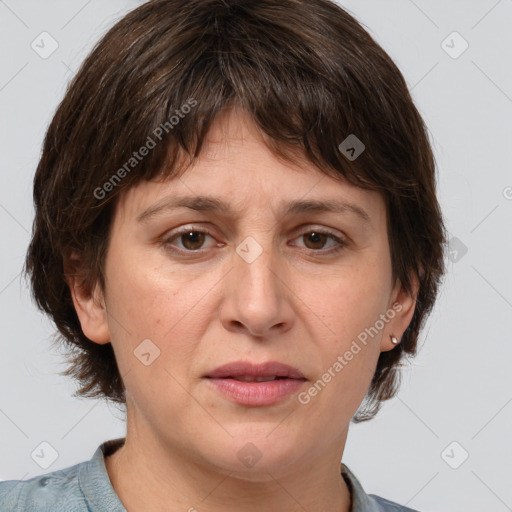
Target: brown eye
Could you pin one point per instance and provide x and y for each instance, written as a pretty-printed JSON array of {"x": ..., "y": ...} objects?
[
  {"x": 189, "y": 241},
  {"x": 321, "y": 242},
  {"x": 315, "y": 240},
  {"x": 192, "y": 240}
]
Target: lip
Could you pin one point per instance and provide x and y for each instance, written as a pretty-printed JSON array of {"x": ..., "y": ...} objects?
[
  {"x": 256, "y": 394},
  {"x": 248, "y": 369}
]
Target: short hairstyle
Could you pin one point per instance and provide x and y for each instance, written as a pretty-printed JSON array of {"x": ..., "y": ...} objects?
[{"x": 306, "y": 72}]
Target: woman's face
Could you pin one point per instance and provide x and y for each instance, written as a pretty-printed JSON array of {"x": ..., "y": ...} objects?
[{"x": 271, "y": 276}]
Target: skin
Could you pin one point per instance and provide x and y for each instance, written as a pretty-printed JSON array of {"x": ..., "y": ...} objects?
[{"x": 298, "y": 303}]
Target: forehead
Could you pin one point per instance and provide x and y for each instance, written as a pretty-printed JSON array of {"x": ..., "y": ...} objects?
[{"x": 236, "y": 168}]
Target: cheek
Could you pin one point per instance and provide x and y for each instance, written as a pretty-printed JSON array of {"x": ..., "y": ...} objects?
[
  {"x": 347, "y": 301},
  {"x": 347, "y": 305},
  {"x": 146, "y": 305},
  {"x": 150, "y": 302}
]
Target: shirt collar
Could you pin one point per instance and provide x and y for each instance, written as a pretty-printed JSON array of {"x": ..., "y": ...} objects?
[
  {"x": 360, "y": 502},
  {"x": 95, "y": 482}
]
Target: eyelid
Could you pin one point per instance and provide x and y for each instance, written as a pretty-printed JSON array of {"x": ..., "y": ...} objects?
[{"x": 308, "y": 228}]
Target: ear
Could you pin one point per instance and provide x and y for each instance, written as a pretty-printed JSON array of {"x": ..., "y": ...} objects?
[
  {"x": 89, "y": 304},
  {"x": 400, "y": 311}
]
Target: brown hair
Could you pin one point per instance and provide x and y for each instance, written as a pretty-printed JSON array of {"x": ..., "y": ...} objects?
[{"x": 307, "y": 73}]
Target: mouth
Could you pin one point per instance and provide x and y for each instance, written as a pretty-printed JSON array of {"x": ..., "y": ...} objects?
[{"x": 256, "y": 385}]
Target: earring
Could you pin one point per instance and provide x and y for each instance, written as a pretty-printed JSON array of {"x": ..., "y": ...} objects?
[{"x": 394, "y": 340}]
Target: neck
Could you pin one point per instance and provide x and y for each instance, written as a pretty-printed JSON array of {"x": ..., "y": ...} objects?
[{"x": 148, "y": 476}]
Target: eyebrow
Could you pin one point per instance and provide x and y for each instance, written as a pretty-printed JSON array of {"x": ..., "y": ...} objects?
[{"x": 211, "y": 204}]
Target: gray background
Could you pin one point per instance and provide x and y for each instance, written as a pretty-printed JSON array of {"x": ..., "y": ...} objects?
[{"x": 457, "y": 389}]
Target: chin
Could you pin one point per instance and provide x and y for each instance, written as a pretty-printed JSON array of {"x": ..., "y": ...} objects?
[{"x": 253, "y": 455}]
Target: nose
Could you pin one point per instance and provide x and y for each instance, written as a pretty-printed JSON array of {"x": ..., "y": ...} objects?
[{"x": 256, "y": 297}]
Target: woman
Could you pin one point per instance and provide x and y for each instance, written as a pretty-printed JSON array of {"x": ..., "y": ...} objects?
[{"x": 238, "y": 232}]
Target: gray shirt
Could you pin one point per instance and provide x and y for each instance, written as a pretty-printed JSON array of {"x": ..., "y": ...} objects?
[{"x": 86, "y": 487}]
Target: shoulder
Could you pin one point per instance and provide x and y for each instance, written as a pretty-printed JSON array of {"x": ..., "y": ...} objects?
[
  {"x": 362, "y": 502},
  {"x": 52, "y": 492},
  {"x": 84, "y": 487},
  {"x": 383, "y": 505}
]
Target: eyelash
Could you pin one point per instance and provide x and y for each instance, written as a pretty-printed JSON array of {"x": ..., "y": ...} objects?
[{"x": 176, "y": 235}]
